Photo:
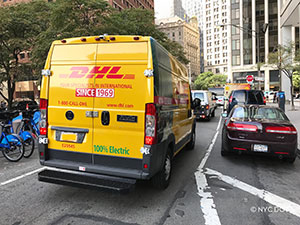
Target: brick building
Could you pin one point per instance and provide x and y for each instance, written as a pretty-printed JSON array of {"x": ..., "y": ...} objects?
[{"x": 123, "y": 4}]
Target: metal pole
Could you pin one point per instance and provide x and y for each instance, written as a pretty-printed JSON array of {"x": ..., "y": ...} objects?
[{"x": 258, "y": 60}]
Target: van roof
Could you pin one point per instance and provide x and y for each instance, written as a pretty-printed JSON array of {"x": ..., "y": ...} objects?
[{"x": 102, "y": 39}]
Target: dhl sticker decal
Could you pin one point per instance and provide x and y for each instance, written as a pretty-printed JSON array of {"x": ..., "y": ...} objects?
[{"x": 98, "y": 72}]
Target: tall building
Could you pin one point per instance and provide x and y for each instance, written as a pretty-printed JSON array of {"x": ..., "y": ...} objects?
[
  {"x": 254, "y": 34},
  {"x": 187, "y": 35},
  {"x": 168, "y": 8},
  {"x": 195, "y": 8},
  {"x": 215, "y": 36},
  {"x": 289, "y": 32}
]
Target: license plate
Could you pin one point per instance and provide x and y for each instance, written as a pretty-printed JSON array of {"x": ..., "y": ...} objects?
[
  {"x": 260, "y": 148},
  {"x": 68, "y": 137}
]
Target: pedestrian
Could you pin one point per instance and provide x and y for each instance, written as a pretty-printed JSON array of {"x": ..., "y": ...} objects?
[{"x": 274, "y": 97}]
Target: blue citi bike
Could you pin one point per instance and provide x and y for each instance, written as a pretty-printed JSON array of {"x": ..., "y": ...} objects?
[{"x": 11, "y": 145}]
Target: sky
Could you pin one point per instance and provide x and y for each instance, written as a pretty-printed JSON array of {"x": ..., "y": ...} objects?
[{"x": 162, "y": 8}]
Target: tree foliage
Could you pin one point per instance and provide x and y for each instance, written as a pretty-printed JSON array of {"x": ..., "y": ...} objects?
[
  {"x": 296, "y": 80},
  {"x": 19, "y": 28},
  {"x": 208, "y": 80},
  {"x": 286, "y": 59},
  {"x": 77, "y": 18}
]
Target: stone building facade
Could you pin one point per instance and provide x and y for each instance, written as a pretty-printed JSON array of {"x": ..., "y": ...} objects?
[{"x": 187, "y": 35}]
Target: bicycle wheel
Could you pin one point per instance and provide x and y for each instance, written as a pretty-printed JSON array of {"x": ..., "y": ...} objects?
[
  {"x": 15, "y": 151},
  {"x": 24, "y": 127},
  {"x": 28, "y": 144}
]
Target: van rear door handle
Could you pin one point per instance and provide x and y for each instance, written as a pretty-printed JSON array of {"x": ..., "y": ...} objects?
[{"x": 105, "y": 118}]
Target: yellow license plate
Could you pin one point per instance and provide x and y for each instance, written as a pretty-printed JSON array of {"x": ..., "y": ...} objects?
[{"x": 72, "y": 137}]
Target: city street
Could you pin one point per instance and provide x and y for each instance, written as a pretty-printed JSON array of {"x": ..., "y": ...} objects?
[{"x": 205, "y": 189}]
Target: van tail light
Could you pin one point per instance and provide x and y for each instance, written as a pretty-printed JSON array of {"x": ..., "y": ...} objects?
[
  {"x": 44, "y": 116},
  {"x": 27, "y": 106},
  {"x": 207, "y": 106},
  {"x": 150, "y": 124},
  {"x": 242, "y": 127},
  {"x": 230, "y": 99},
  {"x": 281, "y": 130},
  {"x": 265, "y": 100}
]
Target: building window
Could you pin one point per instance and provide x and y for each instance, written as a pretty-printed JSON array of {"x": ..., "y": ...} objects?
[
  {"x": 235, "y": 44},
  {"x": 236, "y": 60}
]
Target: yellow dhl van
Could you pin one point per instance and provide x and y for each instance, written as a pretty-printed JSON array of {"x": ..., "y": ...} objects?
[{"x": 114, "y": 109}]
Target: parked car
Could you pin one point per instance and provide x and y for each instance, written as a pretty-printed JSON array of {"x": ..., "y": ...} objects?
[
  {"x": 242, "y": 97},
  {"x": 208, "y": 104},
  {"x": 259, "y": 129},
  {"x": 220, "y": 100},
  {"x": 21, "y": 105}
]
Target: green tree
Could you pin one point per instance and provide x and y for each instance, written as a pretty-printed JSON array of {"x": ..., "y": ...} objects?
[
  {"x": 208, "y": 80},
  {"x": 71, "y": 18},
  {"x": 19, "y": 28},
  {"x": 286, "y": 59},
  {"x": 296, "y": 81}
]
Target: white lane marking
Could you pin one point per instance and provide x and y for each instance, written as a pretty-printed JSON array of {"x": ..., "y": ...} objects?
[
  {"x": 22, "y": 176},
  {"x": 273, "y": 199},
  {"x": 206, "y": 202}
]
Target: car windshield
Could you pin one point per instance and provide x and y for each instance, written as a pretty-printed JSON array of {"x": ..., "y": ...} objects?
[
  {"x": 258, "y": 113},
  {"x": 199, "y": 95}
]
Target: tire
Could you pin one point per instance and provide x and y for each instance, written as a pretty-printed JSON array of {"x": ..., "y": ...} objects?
[
  {"x": 291, "y": 160},
  {"x": 224, "y": 153},
  {"x": 29, "y": 147},
  {"x": 16, "y": 151},
  {"x": 191, "y": 144},
  {"x": 161, "y": 180}
]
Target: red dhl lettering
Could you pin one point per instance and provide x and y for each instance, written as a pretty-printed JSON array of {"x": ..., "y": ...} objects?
[{"x": 97, "y": 72}]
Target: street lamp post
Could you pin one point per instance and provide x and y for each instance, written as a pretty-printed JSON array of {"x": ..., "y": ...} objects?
[{"x": 257, "y": 40}]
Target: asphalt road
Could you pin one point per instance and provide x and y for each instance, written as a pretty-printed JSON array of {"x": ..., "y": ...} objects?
[{"x": 28, "y": 201}]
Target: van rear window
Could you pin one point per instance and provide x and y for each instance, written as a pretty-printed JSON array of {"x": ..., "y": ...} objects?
[
  {"x": 199, "y": 95},
  {"x": 240, "y": 96}
]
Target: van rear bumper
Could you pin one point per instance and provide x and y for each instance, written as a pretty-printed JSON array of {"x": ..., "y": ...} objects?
[{"x": 94, "y": 181}]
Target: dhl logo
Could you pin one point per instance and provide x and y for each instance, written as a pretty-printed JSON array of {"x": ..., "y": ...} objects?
[{"x": 97, "y": 72}]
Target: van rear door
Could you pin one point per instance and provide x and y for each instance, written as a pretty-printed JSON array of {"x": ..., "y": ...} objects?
[
  {"x": 70, "y": 115},
  {"x": 122, "y": 90}
]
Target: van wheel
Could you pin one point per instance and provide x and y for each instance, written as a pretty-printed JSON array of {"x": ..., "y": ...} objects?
[
  {"x": 161, "y": 180},
  {"x": 191, "y": 144}
]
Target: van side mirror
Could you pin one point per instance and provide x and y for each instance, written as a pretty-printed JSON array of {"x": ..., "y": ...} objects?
[
  {"x": 196, "y": 103},
  {"x": 224, "y": 115}
]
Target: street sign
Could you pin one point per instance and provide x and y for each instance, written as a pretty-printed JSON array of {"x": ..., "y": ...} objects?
[
  {"x": 259, "y": 78},
  {"x": 250, "y": 79}
]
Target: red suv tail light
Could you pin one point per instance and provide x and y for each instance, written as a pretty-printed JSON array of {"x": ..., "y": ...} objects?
[
  {"x": 281, "y": 130},
  {"x": 150, "y": 124},
  {"x": 265, "y": 100},
  {"x": 230, "y": 99},
  {"x": 242, "y": 127},
  {"x": 44, "y": 116}
]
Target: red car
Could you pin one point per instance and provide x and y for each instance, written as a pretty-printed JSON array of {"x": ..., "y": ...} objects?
[{"x": 259, "y": 129}]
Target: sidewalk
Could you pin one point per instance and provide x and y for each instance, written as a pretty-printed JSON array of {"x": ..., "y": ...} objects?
[{"x": 294, "y": 117}]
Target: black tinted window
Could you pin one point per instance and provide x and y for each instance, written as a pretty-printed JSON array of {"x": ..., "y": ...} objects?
[
  {"x": 239, "y": 96},
  {"x": 255, "y": 97}
]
